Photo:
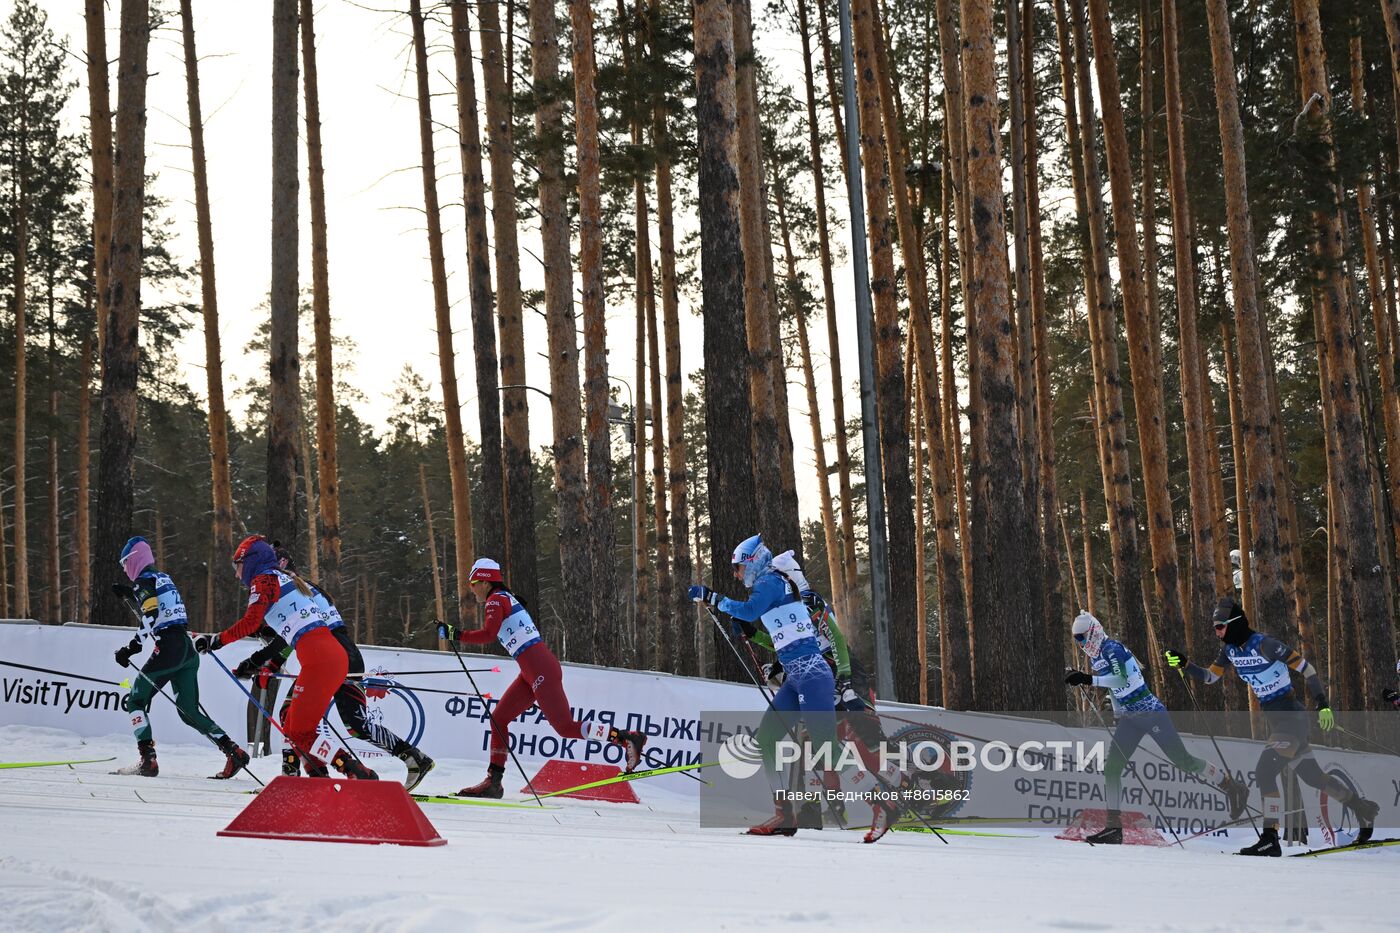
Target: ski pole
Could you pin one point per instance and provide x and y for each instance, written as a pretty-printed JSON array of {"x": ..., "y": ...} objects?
[
  {"x": 773, "y": 709},
  {"x": 452, "y": 643},
  {"x": 45, "y": 670},
  {"x": 1194, "y": 705},
  {"x": 1113, "y": 739},
  {"x": 1357, "y": 735}
]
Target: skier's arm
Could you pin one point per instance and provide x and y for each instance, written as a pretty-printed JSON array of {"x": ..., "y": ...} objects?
[
  {"x": 838, "y": 645},
  {"x": 1275, "y": 650},
  {"x": 496, "y": 608},
  {"x": 265, "y": 589},
  {"x": 765, "y": 596},
  {"x": 758, "y": 636},
  {"x": 1210, "y": 674}
]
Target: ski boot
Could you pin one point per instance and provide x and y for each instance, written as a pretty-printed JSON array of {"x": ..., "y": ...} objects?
[
  {"x": 315, "y": 768},
  {"x": 883, "y": 815},
  {"x": 1267, "y": 844},
  {"x": 1236, "y": 794},
  {"x": 291, "y": 763},
  {"x": 782, "y": 823},
  {"x": 1366, "y": 812},
  {"x": 491, "y": 787},
  {"x": 236, "y": 760},
  {"x": 1112, "y": 832},
  {"x": 632, "y": 741},
  {"x": 809, "y": 815},
  {"x": 352, "y": 767},
  {"x": 147, "y": 766},
  {"x": 418, "y": 764}
]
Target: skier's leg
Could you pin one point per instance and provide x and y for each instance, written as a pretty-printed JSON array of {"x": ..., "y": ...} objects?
[
  {"x": 323, "y": 668},
  {"x": 1126, "y": 738},
  {"x": 516, "y": 700}
]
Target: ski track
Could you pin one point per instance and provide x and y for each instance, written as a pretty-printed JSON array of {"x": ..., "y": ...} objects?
[{"x": 82, "y": 849}]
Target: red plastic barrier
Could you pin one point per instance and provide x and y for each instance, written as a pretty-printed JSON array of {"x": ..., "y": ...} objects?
[
  {"x": 561, "y": 775},
  {"x": 335, "y": 810},
  {"x": 1137, "y": 828}
]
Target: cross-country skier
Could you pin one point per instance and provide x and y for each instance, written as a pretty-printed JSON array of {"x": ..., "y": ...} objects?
[
  {"x": 1263, "y": 662},
  {"x": 1140, "y": 714},
  {"x": 540, "y": 681},
  {"x": 286, "y": 606},
  {"x": 350, "y": 700},
  {"x": 173, "y": 660},
  {"x": 808, "y": 685},
  {"x": 1390, "y": 696}
]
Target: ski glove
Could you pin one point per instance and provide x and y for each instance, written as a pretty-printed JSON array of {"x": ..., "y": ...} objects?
[
  {"x": 774, "y": 674},
  {"x": 124, "y": 653},
  {"x": 447, "y": 631},
  {"x": 1325, "y": 719},
  {"x": 1075, "y": 678},
  {"x": 703, "y": 594},
  {"x": 846, "y": 694},
  {"x": 1390, "y": 696},
  {"x": 1175, "y": 658},
  {"x": 207, "y": 643}
]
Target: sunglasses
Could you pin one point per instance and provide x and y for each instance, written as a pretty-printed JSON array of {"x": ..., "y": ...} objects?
[{"x": 1081, "y": 637}]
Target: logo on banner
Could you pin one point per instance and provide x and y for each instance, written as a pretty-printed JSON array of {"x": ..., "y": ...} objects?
[{"x": 739, "y": 756}]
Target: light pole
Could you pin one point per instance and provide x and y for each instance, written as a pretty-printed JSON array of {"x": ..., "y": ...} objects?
[{"x": 865, "y": 353}]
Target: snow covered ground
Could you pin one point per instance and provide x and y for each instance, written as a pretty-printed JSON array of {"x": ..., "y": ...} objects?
[{"x": 81, "y": 849}]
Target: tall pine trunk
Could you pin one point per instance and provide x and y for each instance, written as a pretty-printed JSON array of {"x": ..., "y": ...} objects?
[
  {"x": 1006, "y": 610},
  {"x": 570, "y": 485},
  {"x": 1143, "y": 353},
  {"x": 518, "y": 472},
  {"x": 727, "y": 408},
  {"x": 1271, "y": 605},
  {"x": 1376, "y": 661},
  {"x": 447, "y": 358},
  {"x": 606, "y": 614},
  {"x": 326, "y": 545},
  {"x": 115, "y": 492}
]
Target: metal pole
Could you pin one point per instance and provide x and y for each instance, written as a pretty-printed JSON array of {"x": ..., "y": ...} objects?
[{"x": 865, "y": 353}]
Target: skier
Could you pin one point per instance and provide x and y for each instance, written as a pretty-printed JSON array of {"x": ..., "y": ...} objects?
[
  {"x": 285, "y": 605},
  {"x": 808, "y": 685},
  {"x": 1263, "y": 662},
  {"x": 351, "y": 701},
  {"x": 173, "y": 660},
  {"x": 855, "y": 693},
  {"x": 540, "y": 681},
  {"x": 1390, "y": 696},
  {"x": 1140, "y": 714}
]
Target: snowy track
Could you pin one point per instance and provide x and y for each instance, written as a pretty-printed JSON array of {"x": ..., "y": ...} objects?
[{"x": 82, "y": 849}]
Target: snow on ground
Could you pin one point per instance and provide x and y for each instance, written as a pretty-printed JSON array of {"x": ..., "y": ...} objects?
[{"x": 82, "y": 849}]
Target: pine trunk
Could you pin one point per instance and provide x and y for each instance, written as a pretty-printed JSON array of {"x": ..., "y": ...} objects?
[
  {"x": 1376, "y": 660},
  {"x": 100, "y": 130},
  {"x": 1006, "y": 609},
  {"x": 225, "y": 594},
  {"x": 843, "y": 560},
  {"x": 447, "y": 356},
  {"x": 115, "y": 492},
  {"x": 1193, "y": 385},
  {"x": 727, "y": 407},
  {"x": 1118, "y": 493},
  {"x": 1241, "y": 468},
  {"x": 53, "y": 575},
  {"x": 439, "y": 612},
  {"x": 889, "y": 364},
  {"x": 683, "y": 642},
  {"x": 1270, "y": 601},
  {"x": 521, "y": 548},
  {"x": 1144, "y": 352},
  {"x": 21, "y": 233},
  {"x": 82, "y": 556},
  {"x": 326, "y": 547},
  {"x": 595, "y": 382}
]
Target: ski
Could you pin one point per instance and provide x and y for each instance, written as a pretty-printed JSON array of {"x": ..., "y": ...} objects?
[
  {"x": 484, "y": 802},
  {"x": 49, "y": 764},
  {"x": 918, "y": 828},
  {"x": 1372, "y": 844},
  {"x": 633, "y": 776}
]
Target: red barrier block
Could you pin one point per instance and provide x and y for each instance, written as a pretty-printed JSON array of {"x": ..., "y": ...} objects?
[
  {"x": 559, "y": 775},
  {"x": 335, "y": 810},
  {"x": 1137, "y": 828}
]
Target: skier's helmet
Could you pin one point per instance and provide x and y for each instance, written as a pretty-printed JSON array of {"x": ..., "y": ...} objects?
[
  {"x": 751, "y": 560},
  {"x": 1231, "y": 624},
  {"x": 1088, "y": 633},
  {"x": 136, "y": 557},
  {"x": 486, "y": 570}
]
